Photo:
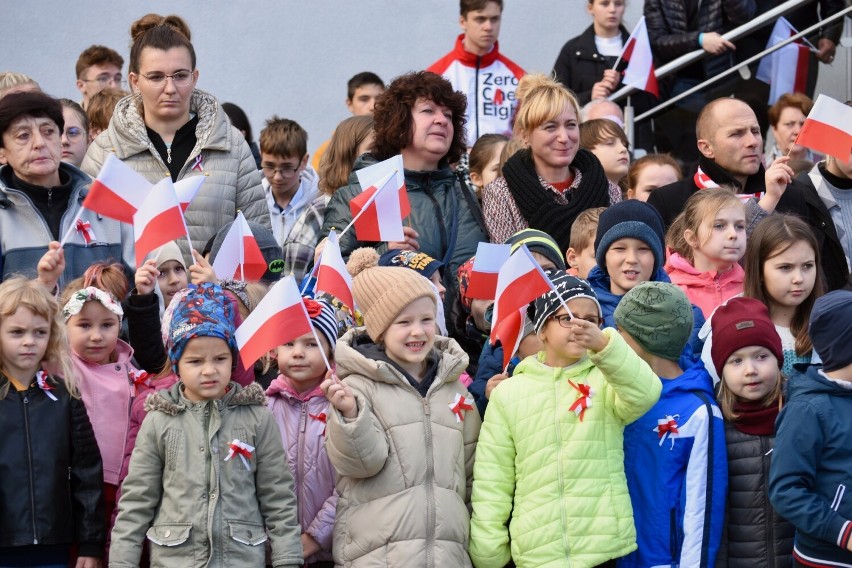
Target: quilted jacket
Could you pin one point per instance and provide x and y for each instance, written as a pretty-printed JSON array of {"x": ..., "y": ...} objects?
[
  {"x": 558, "y": 481},
  {"x": 233, "y": 180}
]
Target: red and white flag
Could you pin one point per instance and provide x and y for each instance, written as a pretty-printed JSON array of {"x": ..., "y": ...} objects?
[
  {"x": 158, "y": 220},
  {"x": 378, "y": 211},
  {"x": 280, "y": 317},
  {"x": 239, "y": 257},
  {"x": 521, "y": 280},
  {"x": 332, "y": 276},
  {"x": 187, "y": 188},
  {"x": 640, "y": 72},
  {"x": 785, "y": 70},
  {"x": 486, "y": 265},
  {"x": 828, "y": 128},
  {"x": 117, "y": 192}
]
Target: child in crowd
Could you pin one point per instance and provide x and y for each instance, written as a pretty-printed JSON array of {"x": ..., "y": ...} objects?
[
  {"x": 607, "y": 141},
  {"x": 650, "y": 172},
  {"x": 208, "y": 482},
  {"x": 581, "y": 252},
  {"x": 100, "y": 108},
  {"x": 402, "y": 431},
  {"x": 484, "y": 161},
  {"x": 550, "y": 463},
  {"x": 747, "y": 356},
  {"x": 51, "y": 495},
  {"x": 707, "y": 240},
  {"x": 674, "y": 455},
  {"x": 782, "y": 270},
  {"x": 469, "y": 316},
  {"x": 301, "y": 412},
  {"x": 810, "y": 471}
]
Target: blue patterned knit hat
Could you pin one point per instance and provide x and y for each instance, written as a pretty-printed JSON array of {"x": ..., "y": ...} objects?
[{"x": 205, "y": 311}]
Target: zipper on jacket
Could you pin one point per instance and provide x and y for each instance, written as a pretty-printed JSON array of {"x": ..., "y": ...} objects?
[
  {"x": 300, "y": 458},
  {"x": 427, "y": 189},
  {"x": 30, "y": 465},
  {"x": 765, "y": 461},
  {"x": 430, "y": 488},
  {"x": 168, "y": 154},
  {"x": 49, "y": 197},
  {"x": 559, "y": 476},
  {"x": 476, "y": 96}
]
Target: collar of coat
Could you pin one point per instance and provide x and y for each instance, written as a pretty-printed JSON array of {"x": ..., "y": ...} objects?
[{"x": 171, "y": 402}]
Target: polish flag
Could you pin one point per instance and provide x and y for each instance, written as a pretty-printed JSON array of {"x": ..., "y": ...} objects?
[
  {"x": 332, "y": 276},
  {"x": 785, "y": 70},
  {"x": 486, "y": 265},
  {"x": 280, "y": 317},
  {"x": 378, "y": 211},
  {"x": 520, "y": 281},
  {"x": 158, "y": 220},
  {"x": 117, "y": 192},
  {"x": 239, "y": 257},
  {"x": 186, "y": 190},
  {"x": 640, "y": 72},
  {"x": 828, "y": 128}
]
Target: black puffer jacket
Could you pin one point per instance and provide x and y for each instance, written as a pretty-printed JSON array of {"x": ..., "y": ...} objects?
[
  {"x": 751, "y": 522},
  {"x": 52, "y": 477},
  {"x": 670, "y": 36}
]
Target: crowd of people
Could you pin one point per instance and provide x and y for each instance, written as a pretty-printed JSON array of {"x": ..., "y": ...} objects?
[{"x": 680, "y": 396}]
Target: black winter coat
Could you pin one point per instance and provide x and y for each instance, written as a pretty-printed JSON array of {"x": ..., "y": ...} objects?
[
  {"x": 579, "y": 65},
  {"x": 52, "y": 475},
  {"x": 750, "y": 521}
]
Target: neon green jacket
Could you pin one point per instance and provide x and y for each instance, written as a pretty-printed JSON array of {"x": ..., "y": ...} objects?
[{"x": 559, "y": 478}]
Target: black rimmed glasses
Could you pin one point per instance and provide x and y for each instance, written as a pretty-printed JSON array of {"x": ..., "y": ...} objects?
[{"x": 286, "y": 172}]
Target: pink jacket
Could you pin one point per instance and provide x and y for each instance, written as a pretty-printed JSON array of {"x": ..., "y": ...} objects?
[
  {"x": 301, "y": 419},
  {"x": 707, "y": 290},
  {"x": 108, "y": 391}
]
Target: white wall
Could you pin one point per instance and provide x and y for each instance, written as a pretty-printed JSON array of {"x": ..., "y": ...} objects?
[{"x": 289, "y": 57}]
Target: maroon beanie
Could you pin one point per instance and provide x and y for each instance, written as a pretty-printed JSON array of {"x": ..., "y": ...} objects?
[{"x": 742, "y": 322}]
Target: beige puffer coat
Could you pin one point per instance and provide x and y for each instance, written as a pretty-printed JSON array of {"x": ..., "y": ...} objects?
[
  {"x": 404, "y": 464},
  {"x": 233, "y": 180}
]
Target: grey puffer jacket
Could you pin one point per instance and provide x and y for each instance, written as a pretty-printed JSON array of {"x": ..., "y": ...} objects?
[
  {"x": 751, "y": 522},
  {"x": 233, "y": 180},
  {"x": 195, "y": 508},
  {"x": 404, "y": 464},
  {"x": 444, "y": 213}
]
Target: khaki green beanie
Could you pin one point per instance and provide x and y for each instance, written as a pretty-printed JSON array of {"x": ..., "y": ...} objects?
[
  {"x": 383, "y": 292},
  {"x": 658, "y": 316}
]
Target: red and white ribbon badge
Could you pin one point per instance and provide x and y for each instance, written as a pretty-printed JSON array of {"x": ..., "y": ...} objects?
[
  {"x": 321, "y": 417},
  {"x": 667, "y": 426},
  {"x": 140, "y": 379},
  {"x": 196, "y": 165},
  {"x": 585, "y": 401},
  {"x": 85, "y": 228},
  {"x": 459, "y": 405},
  {"x": 41, "y": 380},
  {"x": 237, "y": 448}
]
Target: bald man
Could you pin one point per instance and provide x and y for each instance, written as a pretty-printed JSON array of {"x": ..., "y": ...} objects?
[{"x": 730, "y": 146}]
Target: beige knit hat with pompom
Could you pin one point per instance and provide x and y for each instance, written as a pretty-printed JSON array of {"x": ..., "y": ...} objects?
[{"x": 383, "y": 292}]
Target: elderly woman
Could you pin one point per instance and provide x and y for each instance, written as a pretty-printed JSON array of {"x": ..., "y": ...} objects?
[
  {"x": 422, "y": 118},
  {"x": 40, "y": 195},
  {"x": 786, "y": 118},
  {"x": 551, "y": 181},
  {"x": 169, "y": 128}
]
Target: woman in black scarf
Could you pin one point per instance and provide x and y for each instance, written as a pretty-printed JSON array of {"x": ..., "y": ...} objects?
[{"x": 551, "y": 181}]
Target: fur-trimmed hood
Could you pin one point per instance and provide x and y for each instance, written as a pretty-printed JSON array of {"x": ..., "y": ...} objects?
[{"x": 172, "y": 402}]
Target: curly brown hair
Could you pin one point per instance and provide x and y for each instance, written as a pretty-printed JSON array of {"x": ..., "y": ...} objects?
[{"x": 393, "y": 120}]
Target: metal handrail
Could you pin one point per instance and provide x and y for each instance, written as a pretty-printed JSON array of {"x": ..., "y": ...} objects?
[
  {"x": 733, "y": 35},
  {"x": 738, "y": 66}
]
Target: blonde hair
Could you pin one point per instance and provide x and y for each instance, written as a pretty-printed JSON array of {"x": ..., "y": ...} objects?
[
  {"x": 542, "y": 98},
  {"x": 511, "y": 148},
  {"x": 702, "y": 205},
  {"x": 19, "y": 292},
  {"x": 585, "y": 228},
  {"x": 12, "y": 79},
  {"x": 340, "y": 154}
]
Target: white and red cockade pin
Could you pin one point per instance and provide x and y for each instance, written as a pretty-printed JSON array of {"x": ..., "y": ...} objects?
[
  {"x": 459, "y": 405},
  {"x": 667, "y": 426},
  {"x": 585, "y": 401},
  {"x": 85, "y": 229},
  {"x": 197, "y": 164},
  {"x": 237, "y": 448},
  {"x": 321, "y": 417},
  {"x": 41, "y": 381},
  {"x": 140, "y": 379}
]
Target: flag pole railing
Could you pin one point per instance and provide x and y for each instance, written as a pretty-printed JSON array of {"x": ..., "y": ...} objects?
[{"x": 742, "y": 64}]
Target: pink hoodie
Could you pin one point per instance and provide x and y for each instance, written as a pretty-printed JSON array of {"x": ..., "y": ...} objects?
[
  {"x": 301, "y": 419},
  {"x": 707, "y": 290}
]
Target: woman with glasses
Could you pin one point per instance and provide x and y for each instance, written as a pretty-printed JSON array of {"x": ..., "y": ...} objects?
[
  {"x": 75, "y": 136},
  {"x": 170, "y": 128},
  {"x": 421, "y": 117}
]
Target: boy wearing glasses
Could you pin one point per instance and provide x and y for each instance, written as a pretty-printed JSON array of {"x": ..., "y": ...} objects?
[
  {"x": 549, "y": 464},
  {"x": 296, "y": 207},
  {"x": 98, "y": 67}
]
